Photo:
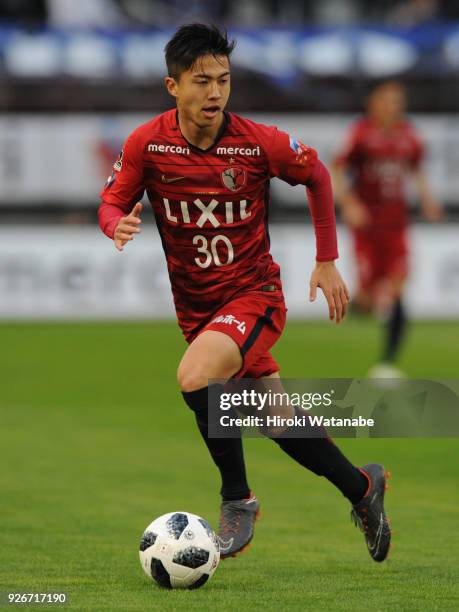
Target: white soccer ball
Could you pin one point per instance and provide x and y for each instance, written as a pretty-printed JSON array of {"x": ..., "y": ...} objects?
[{"x": 179, "y": 550}]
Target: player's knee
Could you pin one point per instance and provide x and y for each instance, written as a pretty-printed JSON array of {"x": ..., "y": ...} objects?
[{"x": 191, "y": 378}]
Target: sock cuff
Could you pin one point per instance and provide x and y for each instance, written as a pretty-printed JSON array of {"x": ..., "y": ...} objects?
[
  {"x": 243, "y": 493},
  {"x": 198, "y": 400}
]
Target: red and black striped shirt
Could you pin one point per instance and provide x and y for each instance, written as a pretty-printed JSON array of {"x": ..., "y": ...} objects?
[{"x": 211, "y": 206}]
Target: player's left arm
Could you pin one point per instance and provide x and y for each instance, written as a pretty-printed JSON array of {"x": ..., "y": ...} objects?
[
  {"x": 431, "y": 208},
  {"x": 325, "y": 274},
  {"x": 296, "y": 164}
]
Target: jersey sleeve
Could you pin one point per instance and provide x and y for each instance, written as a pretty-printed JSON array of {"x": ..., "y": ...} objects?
[
  {"x": 297, "y": 164},
  {"x": 124, "y": 187},
  {"x": 351, "y": 150},
  {"x": 289, "y": 159},
  {"x": 418, "y": 152}
]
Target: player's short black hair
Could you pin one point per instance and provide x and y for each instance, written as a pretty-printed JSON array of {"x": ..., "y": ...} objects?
[
  {"x": 192, "y": 41},
  {"x": 379, "y": 84}
]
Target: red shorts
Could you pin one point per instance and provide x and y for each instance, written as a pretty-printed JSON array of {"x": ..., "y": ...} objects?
[
  {"x": 380, "y": 254},
  {"x": 255, "y": 322}
]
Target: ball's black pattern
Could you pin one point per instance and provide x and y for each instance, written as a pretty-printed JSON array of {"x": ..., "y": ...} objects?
[
  {"x": 176, "y": 524},
  {"x": 210, "y": 532},
  {"x": 148, "y": 539},
  {"x": 191, "y": 557},
  {"x": 160, "y": 574},
  {"x": 199, "y": 582},
  {"x": 206, "y": 526}
]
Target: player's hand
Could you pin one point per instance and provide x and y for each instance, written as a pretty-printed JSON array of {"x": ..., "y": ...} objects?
[
  {"x": 326, "y": 277},
  {"x": 432, "y": 211},
  {"x": 355, "y": 214},
  {"x": 128, "y": 227}
]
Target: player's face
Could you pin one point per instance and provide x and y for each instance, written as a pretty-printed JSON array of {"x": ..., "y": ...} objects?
[
  {"x": 388, "y": 103},
  {"x": 202, "y": 92}
]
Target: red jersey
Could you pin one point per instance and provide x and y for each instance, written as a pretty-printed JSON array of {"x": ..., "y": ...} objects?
[
  {"x": 379, "y": 161},
  {"x": 211, "y": 206}
]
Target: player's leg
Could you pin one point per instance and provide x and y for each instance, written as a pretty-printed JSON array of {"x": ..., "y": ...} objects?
[
  {"x": 361, "y": 304},
  {"x": 364, "y": 487},
  {"x": 252, "y": 323},
  {"x": 388, "y": 301},
  {"x": 320, "y": 454},
  {"x": 214, "y": 355},
  {"x": 365, "y": 262}
]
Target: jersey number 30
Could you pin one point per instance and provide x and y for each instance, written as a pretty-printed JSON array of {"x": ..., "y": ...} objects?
[{"x": 212, "y": 254}]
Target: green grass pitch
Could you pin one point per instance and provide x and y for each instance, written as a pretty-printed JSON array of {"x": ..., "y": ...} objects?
[{"x": 95, "y": 443}]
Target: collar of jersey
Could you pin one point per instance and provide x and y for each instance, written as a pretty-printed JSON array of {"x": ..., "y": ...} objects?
[{"x": 222, "y": 130}]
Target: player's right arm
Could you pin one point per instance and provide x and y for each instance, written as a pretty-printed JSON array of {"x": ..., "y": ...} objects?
[
  {"x": 352, "y": 208},
  {"x": 119, "y": 211},
  {"x": 127, "y": 227}
]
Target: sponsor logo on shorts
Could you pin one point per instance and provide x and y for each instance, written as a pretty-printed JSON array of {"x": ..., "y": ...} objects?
[{"x": 230, "y": 320}]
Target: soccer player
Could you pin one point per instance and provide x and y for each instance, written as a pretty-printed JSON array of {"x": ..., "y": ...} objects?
[
  {"x": 206, "y": 173},
  {"x": 382, "y": 149}
]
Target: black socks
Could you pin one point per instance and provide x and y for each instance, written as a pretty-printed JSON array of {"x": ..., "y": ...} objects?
[
  {"x": 395, "y": 329},
  {"x": 321, "y": 456},
  {"x": 227, "y": 453}
]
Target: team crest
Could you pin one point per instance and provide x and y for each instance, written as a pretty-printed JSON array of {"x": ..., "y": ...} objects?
[{"x": 233, "y": 178}]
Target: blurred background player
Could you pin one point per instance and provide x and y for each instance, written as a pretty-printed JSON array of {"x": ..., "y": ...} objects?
[{"x": 382, "y": 150}]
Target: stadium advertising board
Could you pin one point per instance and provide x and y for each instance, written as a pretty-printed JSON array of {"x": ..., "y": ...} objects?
[
  {"x": 87, "y": 146},
  {"x": 74, "y": 272}
]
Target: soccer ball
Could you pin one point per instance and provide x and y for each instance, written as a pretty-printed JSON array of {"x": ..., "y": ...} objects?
[{"x": 179, "y": 550}]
